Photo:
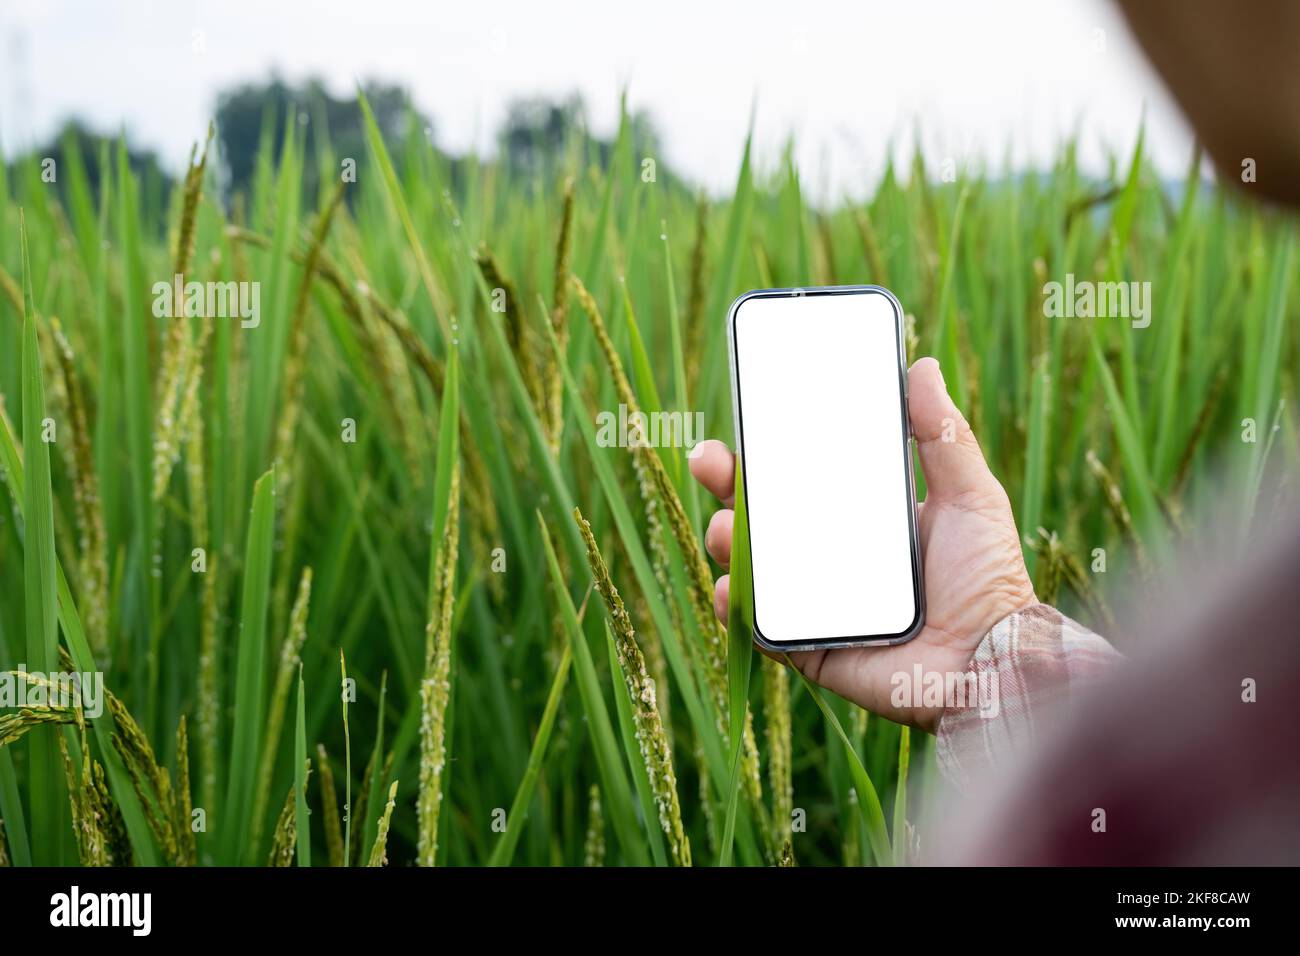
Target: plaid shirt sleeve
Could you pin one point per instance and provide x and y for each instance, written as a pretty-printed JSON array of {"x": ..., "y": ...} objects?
[{"x": 1031, "y": 660}]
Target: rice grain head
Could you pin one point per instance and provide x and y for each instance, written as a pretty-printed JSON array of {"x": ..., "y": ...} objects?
[
  {"x": 559, "y": 321},
  {"x": 593, "y": 849},
  {"x": 435, "y": 688},
  {"x": 776, "y": 714},
  {"x": 656, "y": 484},
  {"x": 152, "y": 782},
  {"x": 92, "y": 847},
  {"x": 1118, "y": 509},
  {"x": 714, "y": 651},
  {"x": 330, "y": 809},
  {"x": 177, "y": 357},
  {"x": 109, "y": 817},
  {"x": 286, "y": 669},
  {"x": 285, "y": 838},
  {"x": 189, "y": 855},
  {"x": 521, "y": 344},
  {"x": 93, "y": 559},
  {"x": 379, "y": 852},
  {"x": 15, "y": 725},
  {"x": 208, "y": 704},
  {"x": 295, "y": 366},
  {"x": 655, "y": 751},
  {"x": 695, "y": 326}
]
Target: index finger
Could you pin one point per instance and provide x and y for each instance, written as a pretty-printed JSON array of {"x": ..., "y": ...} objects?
[{"x": 714, "y": 466}]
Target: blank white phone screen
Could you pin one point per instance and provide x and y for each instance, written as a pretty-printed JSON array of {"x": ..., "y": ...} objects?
[{"x": 824, "y": 456}]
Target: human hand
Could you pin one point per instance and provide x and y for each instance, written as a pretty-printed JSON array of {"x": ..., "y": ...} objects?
[{"x": 974, "y": 572}]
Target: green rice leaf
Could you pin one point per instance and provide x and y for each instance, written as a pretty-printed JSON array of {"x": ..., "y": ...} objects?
[
  {"x": 900, "y": 796},
  {"x": 302, "y": 821},
  {"x": 505, "y": 850},
  {"x": 873, "y": 817},
  {"x": 250, "y": 672},
  {"x": 48, "y": 797},
  {"x": 740, "y": 655}
]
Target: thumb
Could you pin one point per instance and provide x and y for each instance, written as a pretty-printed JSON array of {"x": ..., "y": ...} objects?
[{"x": 951, "y": 458}]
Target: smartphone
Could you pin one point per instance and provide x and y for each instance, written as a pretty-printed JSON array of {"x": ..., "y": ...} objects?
[{"x": 819, "y": 387}]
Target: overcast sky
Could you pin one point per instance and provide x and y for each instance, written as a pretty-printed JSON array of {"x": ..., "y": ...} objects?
[{"x": 979, "y": 80}]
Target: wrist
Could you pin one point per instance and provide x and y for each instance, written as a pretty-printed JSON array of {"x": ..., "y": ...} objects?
[{"x": 973, "y": 682}]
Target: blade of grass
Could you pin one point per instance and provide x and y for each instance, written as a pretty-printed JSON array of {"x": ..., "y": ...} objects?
[
  {"x": 376, "y": 782},
  {"x": 945, "y": 318},
  {"x": 45, "y": 776},
  {"x": 300, "y": 780},
  {"x": 250, "y": 671},
  {"x": 11, "y": 812},
  {"x": 290, "y": 659},
  {"x": 740, "y": 656},
  {"x": 690, "y": 492},
  {"x": 505, "y": 850},
  {"x": 437, "y": 297},
  {"x": 347, "y": 763},
  {"x": 1270, "y": 356},
  {"x": 873, "y": 817},
  {"x": 1035, "y": 485},
  {"x": 123, "y": 790},
  {"x": 723, "y": 288},
  {"x": 138, "y": 590},
  {"x": 900, "y": 797},
  {"x": 1131, "y": 450}
]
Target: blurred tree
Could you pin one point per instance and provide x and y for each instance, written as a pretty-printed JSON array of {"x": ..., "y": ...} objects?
[
  {"x": 77, "y": 140},
  {"x": 540, "y": 138},
  {"x": 331, "y": 128},
  {"x": 538, "y": 133}
]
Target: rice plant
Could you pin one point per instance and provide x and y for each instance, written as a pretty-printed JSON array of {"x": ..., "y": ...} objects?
[{"x": 215, "y": 509}]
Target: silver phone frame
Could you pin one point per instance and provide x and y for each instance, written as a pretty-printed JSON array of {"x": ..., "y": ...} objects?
[{"x": 918, "y": 572}]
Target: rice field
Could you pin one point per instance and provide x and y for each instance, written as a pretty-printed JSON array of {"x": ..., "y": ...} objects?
[{"x": 367, "y": 586}]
